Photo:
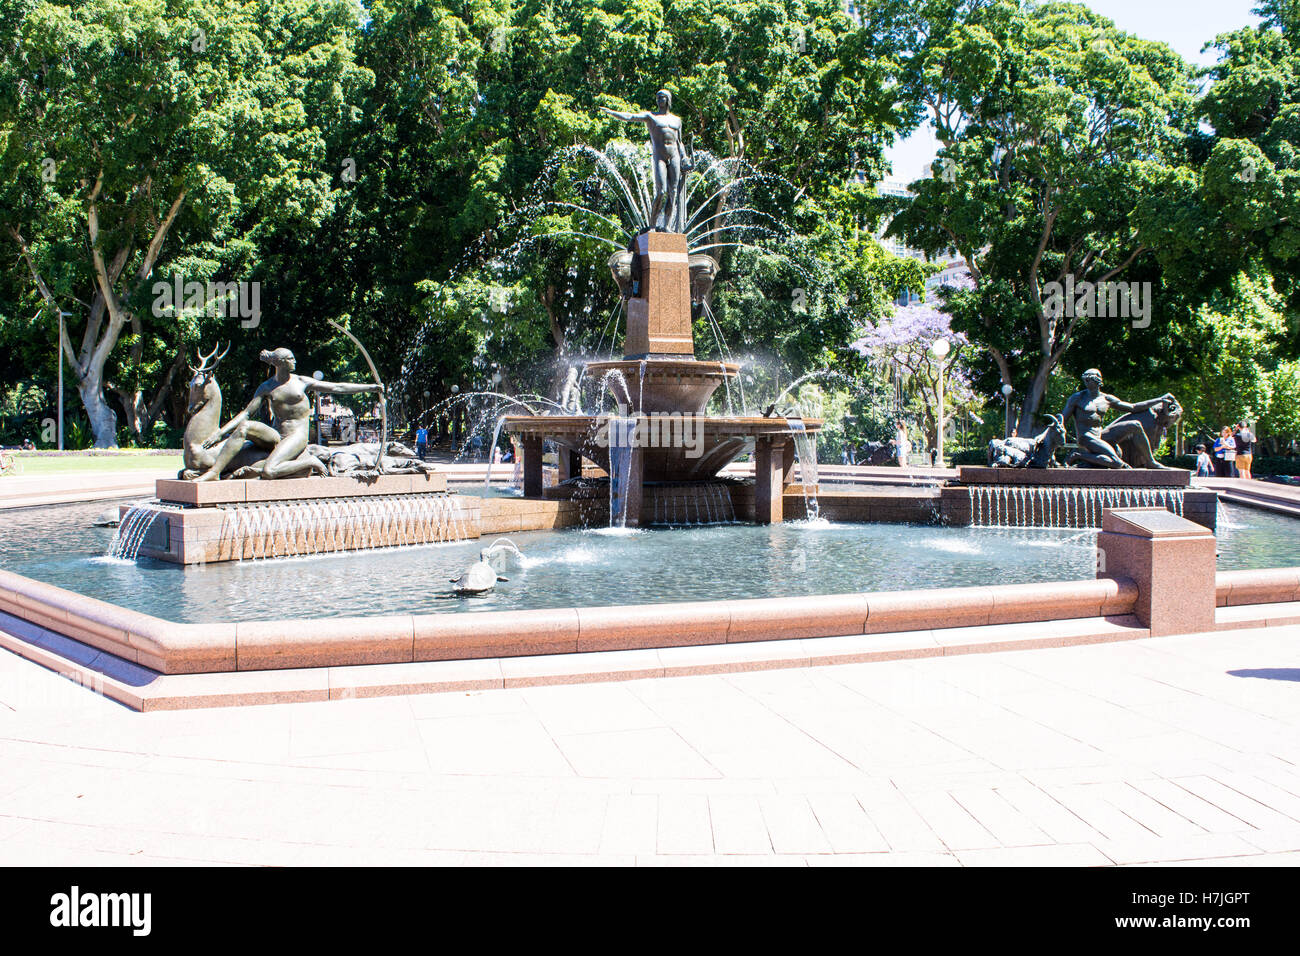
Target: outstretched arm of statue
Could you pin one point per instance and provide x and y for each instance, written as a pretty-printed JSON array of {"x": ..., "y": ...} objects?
[
  {"x": 341, "y": 388},
  {"x": 1118, "y": 403},
  {"x": 1137, "y": 406},
  {"x": 625, "y": 117}
]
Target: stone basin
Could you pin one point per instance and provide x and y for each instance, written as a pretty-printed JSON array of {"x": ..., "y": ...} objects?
[
  {"x": 717, "y": 441},
  {"x": 663, "y": 385}
]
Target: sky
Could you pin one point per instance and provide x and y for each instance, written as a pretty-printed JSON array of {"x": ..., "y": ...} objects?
[{"x": 1186, "y": 25}]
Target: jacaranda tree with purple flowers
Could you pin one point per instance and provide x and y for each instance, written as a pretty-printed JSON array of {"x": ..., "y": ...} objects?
[{"x": 901, "y": 344}]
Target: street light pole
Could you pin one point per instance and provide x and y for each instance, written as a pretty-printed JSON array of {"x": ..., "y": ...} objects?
[
  {"x": 1006, "y": 402},
  {"x": 939, "y": 349},
  {"x": 59, "y": 350},
  {"x": 320, "y": 377}
]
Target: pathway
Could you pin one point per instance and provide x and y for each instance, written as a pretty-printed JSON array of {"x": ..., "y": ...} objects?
[{"x": 1155, "y": 751}]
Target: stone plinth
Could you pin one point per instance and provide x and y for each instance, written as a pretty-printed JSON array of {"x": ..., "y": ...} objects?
[
  {"x": 1065, "y": 506},
  {"x": 203, "y": 494},
  {"x": 297, "y": 527},
  {"x": 1078, "y": 477},
  {"x": 659, "y": 315},
  {"x": 1172, "y": 561}
]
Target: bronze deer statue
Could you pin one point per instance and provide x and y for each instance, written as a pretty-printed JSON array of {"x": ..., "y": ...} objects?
[{"x": 205, "y": 414}]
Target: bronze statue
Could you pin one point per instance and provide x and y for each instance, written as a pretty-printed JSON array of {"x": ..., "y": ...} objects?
[
  {"x": 359, "y": 458},
  {"x": 1125, "y": 442},
  {"x": 669, "y": 161},
  {"x": 1036, "y": 452},
  {"x": 205, "y": 414},
  {"x": 285, "y": 439}
]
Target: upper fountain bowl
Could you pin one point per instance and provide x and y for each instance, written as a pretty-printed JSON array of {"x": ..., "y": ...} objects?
[{"x": 664, "y": 385}]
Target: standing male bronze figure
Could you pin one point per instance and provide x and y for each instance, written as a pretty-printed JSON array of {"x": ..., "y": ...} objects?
[{"x": 669, "y": 162}]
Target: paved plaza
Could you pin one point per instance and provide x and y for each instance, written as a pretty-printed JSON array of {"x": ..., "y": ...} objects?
[{"x": 1155, "y": 751}]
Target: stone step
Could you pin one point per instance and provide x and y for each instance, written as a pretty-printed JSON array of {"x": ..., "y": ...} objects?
[{"x": 1263, "y": 502}]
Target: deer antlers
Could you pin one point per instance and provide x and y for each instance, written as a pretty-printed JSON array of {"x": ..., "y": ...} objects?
[{"x": 205, "y": 359}]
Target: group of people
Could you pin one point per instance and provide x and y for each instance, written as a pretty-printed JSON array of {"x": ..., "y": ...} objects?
[
  {"x": 474, "y": 447},
  {"x": 900, "y": 446},
  {"x": 1231, "y": 456}
]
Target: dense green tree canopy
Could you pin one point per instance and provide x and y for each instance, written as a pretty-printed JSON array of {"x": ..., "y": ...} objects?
[
  {"x": 152, "y": 139},
  {"x": 1056, "y": 127},
  {"x": 412, "y": 165}
]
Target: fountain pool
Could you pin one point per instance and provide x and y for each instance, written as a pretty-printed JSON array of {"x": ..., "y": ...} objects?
[{"x": 569, "y": 568}]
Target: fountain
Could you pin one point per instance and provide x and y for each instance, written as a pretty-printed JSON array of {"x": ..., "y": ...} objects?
[
  {"x": 661, "y": 445},
  {"x": 1111, "y": 467},
  {"x": 255, "y": 490}
]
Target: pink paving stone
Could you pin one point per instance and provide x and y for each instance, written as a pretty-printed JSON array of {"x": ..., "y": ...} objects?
[
  {"x": 424, "y": 677},
  {"x": 581, "y": 668}
]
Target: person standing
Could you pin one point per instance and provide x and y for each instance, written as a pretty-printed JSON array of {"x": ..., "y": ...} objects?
[
  {"x": 1225, "y": 454},
  {"x": 1245, "y": 440},
  {"x": 902, "y": 445},
  {"x": 421, "y": 442},
  {"x": 1204, "y": 467}
]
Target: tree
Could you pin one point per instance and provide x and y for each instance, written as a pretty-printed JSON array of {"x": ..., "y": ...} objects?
[
  {"x": 1055, "y": 127},
  {"x": 146, "y": 139},
  {"x": 1247, "y": 187},
  {"x": 904, "y": 343},
  {"x": 474, "y": 104},
  {"x": 1237, "y": 371}
]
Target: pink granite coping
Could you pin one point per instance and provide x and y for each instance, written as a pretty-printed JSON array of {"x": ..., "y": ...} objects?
[
  {"x": 146, "y": 690},
  {"x": 1272, "y": 586},
  {"x": 182, "y": 648}
]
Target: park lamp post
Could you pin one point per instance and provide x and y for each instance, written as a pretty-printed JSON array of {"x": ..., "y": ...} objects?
[
  {"x": 939, "y": 349},
  {"x": 59, "y": 351},
  {"x": 1006, "y": 403},
  {"x": 455, "y": 421},
  {"x": 320, "y": 377}
]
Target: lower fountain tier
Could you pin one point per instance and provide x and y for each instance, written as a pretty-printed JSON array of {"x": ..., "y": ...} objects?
[
  {"x": 295, "y": 527},
  {"x": 204, "y": 494},
  {"x": 674, "y": 447},
  {"x": 663, "y": 385},
  {"x": 1067, "y": 505},
  {"x": 1076, "y": 477}
]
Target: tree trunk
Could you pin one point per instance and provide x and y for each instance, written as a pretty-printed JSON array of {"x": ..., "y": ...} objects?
[
  {"x": 103, "y": 420},
  {"x": 559, "y": 373},
  {"x": 1037, "y": 389}
]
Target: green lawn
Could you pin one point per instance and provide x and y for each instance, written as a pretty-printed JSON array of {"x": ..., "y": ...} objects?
[{"x": 75, "y": 464}]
